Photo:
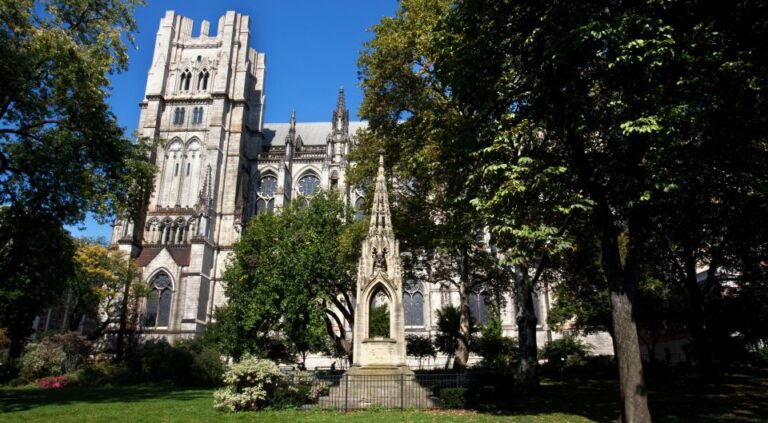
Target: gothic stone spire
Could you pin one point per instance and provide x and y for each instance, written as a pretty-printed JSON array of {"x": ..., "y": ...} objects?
[
  {"x": 381, "y": 219},
  {"x": 341, "y": 115}
]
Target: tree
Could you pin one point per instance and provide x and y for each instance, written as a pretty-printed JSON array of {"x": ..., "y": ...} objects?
[
  {"x": 291, "y": 271},
  {"x": 62, "y": 153},
  {"x": 424, "y": 134},
  {"x": 420, "y": 347},
  {"x": 36, "y": 260},
  {"x": 96, "y": 290},
  {"x": 638, "y": 98},
  {"x": 450, "y": 331}
]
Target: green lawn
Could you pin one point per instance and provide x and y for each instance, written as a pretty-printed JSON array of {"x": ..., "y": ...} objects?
[{"x": 732, "y": 398}]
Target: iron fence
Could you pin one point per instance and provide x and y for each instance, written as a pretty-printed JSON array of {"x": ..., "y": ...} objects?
[{"x": 352, "y": 392}]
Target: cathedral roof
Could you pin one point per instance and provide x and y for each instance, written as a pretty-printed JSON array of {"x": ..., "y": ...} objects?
[{"x": 312, "y": 133}]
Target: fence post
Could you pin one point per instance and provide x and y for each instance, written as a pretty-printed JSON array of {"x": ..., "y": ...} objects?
[
  {"x": 402, "y": 391},
  {"x": 346, "y": 392}
]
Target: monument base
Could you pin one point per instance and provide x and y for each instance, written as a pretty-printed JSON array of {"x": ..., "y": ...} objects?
[{"x": 379, "y": 370}]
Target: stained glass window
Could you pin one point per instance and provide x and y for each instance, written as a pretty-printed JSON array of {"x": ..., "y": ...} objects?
[
  {"x": 413, "y": 303},
  {"x": 309, "y": 185},
  {"x": 267, "y": 186},
  {"x": 158, "y": 305},
  {"x": 478, "y": 307}
]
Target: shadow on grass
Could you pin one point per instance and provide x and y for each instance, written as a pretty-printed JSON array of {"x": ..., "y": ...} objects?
[
  {"x": 727, "y": 398},
  {"x": 12, "y": 400}
]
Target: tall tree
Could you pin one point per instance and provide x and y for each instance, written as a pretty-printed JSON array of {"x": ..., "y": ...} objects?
[
  {"x": 62, "y": 153},
  {"x": 634, "y": 95},
  {"x": 290, "y": 269},
  {"x": 426, "y": 137}
]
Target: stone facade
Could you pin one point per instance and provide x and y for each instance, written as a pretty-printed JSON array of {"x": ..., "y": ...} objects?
[{"x": 220, "y": 164}]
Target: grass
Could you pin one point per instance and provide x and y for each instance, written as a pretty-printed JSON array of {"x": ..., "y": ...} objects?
[{"x": 733, "y": 398}]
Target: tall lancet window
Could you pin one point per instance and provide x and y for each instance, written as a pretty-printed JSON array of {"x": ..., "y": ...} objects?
[
  {"x": 202, "y": 80},
  {"x": 479, "y": 303},
  {"x": 186, "y": 78},
  {"x": 171, "y": 175},
  {"x": 157, "y": 312},
  {"x": 413, "y": 303},
  {"x": 192, "y": 174}
]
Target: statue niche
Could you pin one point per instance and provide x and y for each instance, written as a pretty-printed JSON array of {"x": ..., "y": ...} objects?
[{"x": 379, "y": 260}]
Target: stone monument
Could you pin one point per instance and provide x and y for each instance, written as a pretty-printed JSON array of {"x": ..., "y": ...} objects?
[{"x": 379, "y": 279}]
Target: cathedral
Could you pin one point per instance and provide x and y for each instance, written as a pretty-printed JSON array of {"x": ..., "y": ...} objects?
[{"x": 220, "y": 164}]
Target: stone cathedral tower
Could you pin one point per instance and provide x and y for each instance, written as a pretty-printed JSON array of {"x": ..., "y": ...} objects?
[{"x": 204, "y": 98}]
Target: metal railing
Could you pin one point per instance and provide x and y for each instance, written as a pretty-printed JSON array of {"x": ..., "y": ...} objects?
[{"x": 400, "y": 391}]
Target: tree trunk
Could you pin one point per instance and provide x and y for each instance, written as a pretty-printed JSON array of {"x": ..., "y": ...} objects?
[
  {"x": 526, "y": 331},
  {"x": 462, "y": 348},
  {"x": 622, "y": 284},
  {"x": 696, "y": 316}
]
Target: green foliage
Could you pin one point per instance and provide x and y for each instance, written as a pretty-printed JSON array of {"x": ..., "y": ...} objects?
[
  {"x": 36, "y": 260},
  {"x": 449, "y": 329},
  {"x": 419, "y": 346},
  {"x": 564, "y": 353},
  {"x": 62, "y": 152},
  {"x": 379, "y": 322},
  {"x": 187, "y": 362},
  {"x": 455, "y": 398},
  {"x": 250, "y": 384},
  {"x": 289, "y": 271},
  {"x": 54, "y": 355},
  {"x": 498, "y": 351}
]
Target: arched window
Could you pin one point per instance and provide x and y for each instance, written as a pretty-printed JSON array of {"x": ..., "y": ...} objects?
[
  {"x": 202, "y": 80},
  {"x": 178, "y": 116},
  {"x": 413, "y": 303},
  {"x": 478, "y": 306},
  {"x": 192, "y": 174},
  {"x": 359, "y": 212},
  {"x": 186, "y": 78},
  {"x": 308, "y": 185},
  {"x": 197, "y": 115},
  {"x": 158, "y": 306},
  {"x": 169, "y": 190},
  {"x": 378, "y": 315},
  {"x": 266, "y": 193}
]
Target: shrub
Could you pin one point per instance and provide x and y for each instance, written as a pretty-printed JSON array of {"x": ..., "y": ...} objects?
[
  {"x": 18, "y": 382},
  {"x": 453, "y": 398},
  {"x": 102, "y": 374},
  {"x": 419, "y": 347},
  {"x": 249, "y": 385},
  {"x": 54, "y": 355},
  {"x": 498, "y": 351},
  {"x": 54, "y": 382},
  {"x": 188, "y": 362},
  {"x": 42, "y": 359},
  {"x": 566, "y": 354}
]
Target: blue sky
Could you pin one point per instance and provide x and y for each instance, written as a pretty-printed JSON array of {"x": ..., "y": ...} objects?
[{"x": 311, "y": 49}]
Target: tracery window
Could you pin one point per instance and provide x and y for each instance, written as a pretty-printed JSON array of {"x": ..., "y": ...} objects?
[
  {"x": 413, "y": 303},
  {"x": 479, "y": 306},
  {"x": 202, "y": 80},
  {"x": 178, "y": 116},
  {"x": 309, "y": 185},
  {"x": 266, "y": 193},
  {"x": 186, "y": 78},
  {"x": 158, "y": 306}
]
